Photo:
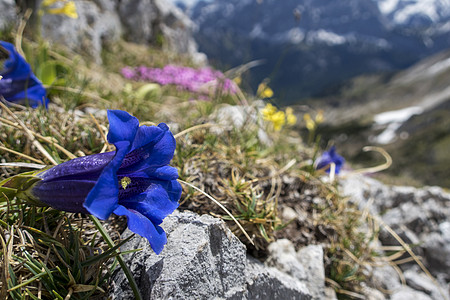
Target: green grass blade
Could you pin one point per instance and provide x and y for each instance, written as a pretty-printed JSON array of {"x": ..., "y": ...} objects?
[{"x": 124, "y": 267}]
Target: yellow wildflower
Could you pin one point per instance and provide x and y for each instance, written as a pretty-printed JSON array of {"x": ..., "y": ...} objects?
[
  {"x": 268, "y": 112},
  {"x": 290, "y": 117},
  {"x": 69, "y": 9},
  {"x": 271, "y": 114},
  {"x": 264, "y": 91},
  {"x": 278, "y": 120},
  {"x": 310, "y": 124},
  {"x": 319, "y": 117},
  {"x": 237, "y": 80},
  {"x": 46, "y": 3}
]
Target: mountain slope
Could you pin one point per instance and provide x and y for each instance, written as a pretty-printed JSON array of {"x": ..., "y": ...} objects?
[
  {"x": 415, "y": 12},
  {"x": 406, "y": 113},
  {"x": 309, "y": 46}
]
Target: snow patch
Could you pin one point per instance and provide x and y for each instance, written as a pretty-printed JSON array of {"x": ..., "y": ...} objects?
[
  {"x": 394, "y": 119},
  {"x": 420, "y": 8},
  {"x": 296, "y": 35},
  {"x": 438, "y": 67},
  {"x": 327, "y": 37},
  {"x": 387, "y": 6},
  {"x": 400, "y": 115},
  {"x": 257, "y": 31},
  {"x": 401, "y": 11}
]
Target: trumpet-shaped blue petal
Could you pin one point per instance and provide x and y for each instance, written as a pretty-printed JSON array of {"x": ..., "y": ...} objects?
[
  {"x": 73, "y": 192},
  {"x": 79, "y": 168},
  {"x": 15, "y": 66},
  {"x": 19, "y": 84},
  {"x": 153, "y": 147},
  {"x": 103, "y": 199},
  {"x": 152, "y": 203},
  {"x": 174, "y": 190},
  {"x": 122, "y": 126},
  {"x": 141, "y": 225},
  {"x": 329, "y": 157},
  {"x": 165, "y": 173},
  {"x": 134, "y": 181}
]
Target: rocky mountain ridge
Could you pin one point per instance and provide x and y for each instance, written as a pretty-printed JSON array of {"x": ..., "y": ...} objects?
[
  {"x": 319, "y": 44},
  {"x": 415, "y": 13}
]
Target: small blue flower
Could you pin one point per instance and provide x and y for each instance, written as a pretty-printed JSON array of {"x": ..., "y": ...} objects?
[
  {"x": 329, "y": 157},
  {"x": 19, "y": 84},
  {"x": 134, "y": 181}
]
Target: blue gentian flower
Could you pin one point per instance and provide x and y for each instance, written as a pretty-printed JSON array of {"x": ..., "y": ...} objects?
[
  {"x": 19, "y": 84},
  {"x": 329, "y": 157},
  {"x": 134, "y": 181}
]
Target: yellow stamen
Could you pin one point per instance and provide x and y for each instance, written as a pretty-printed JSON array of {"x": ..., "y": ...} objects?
[{"x": 124, "y": 182}]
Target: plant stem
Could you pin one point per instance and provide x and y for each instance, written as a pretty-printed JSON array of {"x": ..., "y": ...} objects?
[{"x": 126, "y": 270}]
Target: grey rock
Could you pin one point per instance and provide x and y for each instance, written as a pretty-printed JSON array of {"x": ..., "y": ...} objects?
[
  {"x": 364, "y": 192},
  {"x": 138, "y": 19},
  {"x": 106, "y": 5},
  {"x": 288, "y": 214},
  {"x": 420, "y": 282},
  {"x": 408, "y": 293},
  {"x": 146, "y": 21},
  {"x": 372, "y": 294},
  {"x": 269, "y": 283},
  {"x": 101, "y": 22},
  {"x": 96, "y": 25},
  {"x": 330, "y": 294},
  {"x": 394, "y": 219},
  {"x": 408, "y": 214},
  {"x": 202, "y": 260},
  {"x": 306, "y": 265},
  {"x": 311, "y": 257},
  {"x": 403, "y": 194},
  {"x": 178, "y": 29},
  {"x": 385, "y": 277},
  {"x": 419, "y": 216},
  {"x": 7, "y": 13},
  {"x": 238, "y": 116},
  {"x": 437, "y": 252},
  {"x": 282, "y": 256}
]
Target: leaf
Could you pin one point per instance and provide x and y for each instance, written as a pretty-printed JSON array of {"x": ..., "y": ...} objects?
[
  {"x": 25, "y": 283},
  {"x": 111, "y": 252},
  {"x": 31, "y": 295},
  {"x": 47, "y": 73},
  {"x": 148, "y": 90},
  {"x": 7, "y": 193}
]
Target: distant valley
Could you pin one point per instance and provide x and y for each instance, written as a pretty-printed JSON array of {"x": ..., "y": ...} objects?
[
  {"x": 310, "y": 48},
  {"x": 406, "y": 113}
]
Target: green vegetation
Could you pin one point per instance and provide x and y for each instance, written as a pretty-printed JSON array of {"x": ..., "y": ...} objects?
[{"x": 56, "y": 255}]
